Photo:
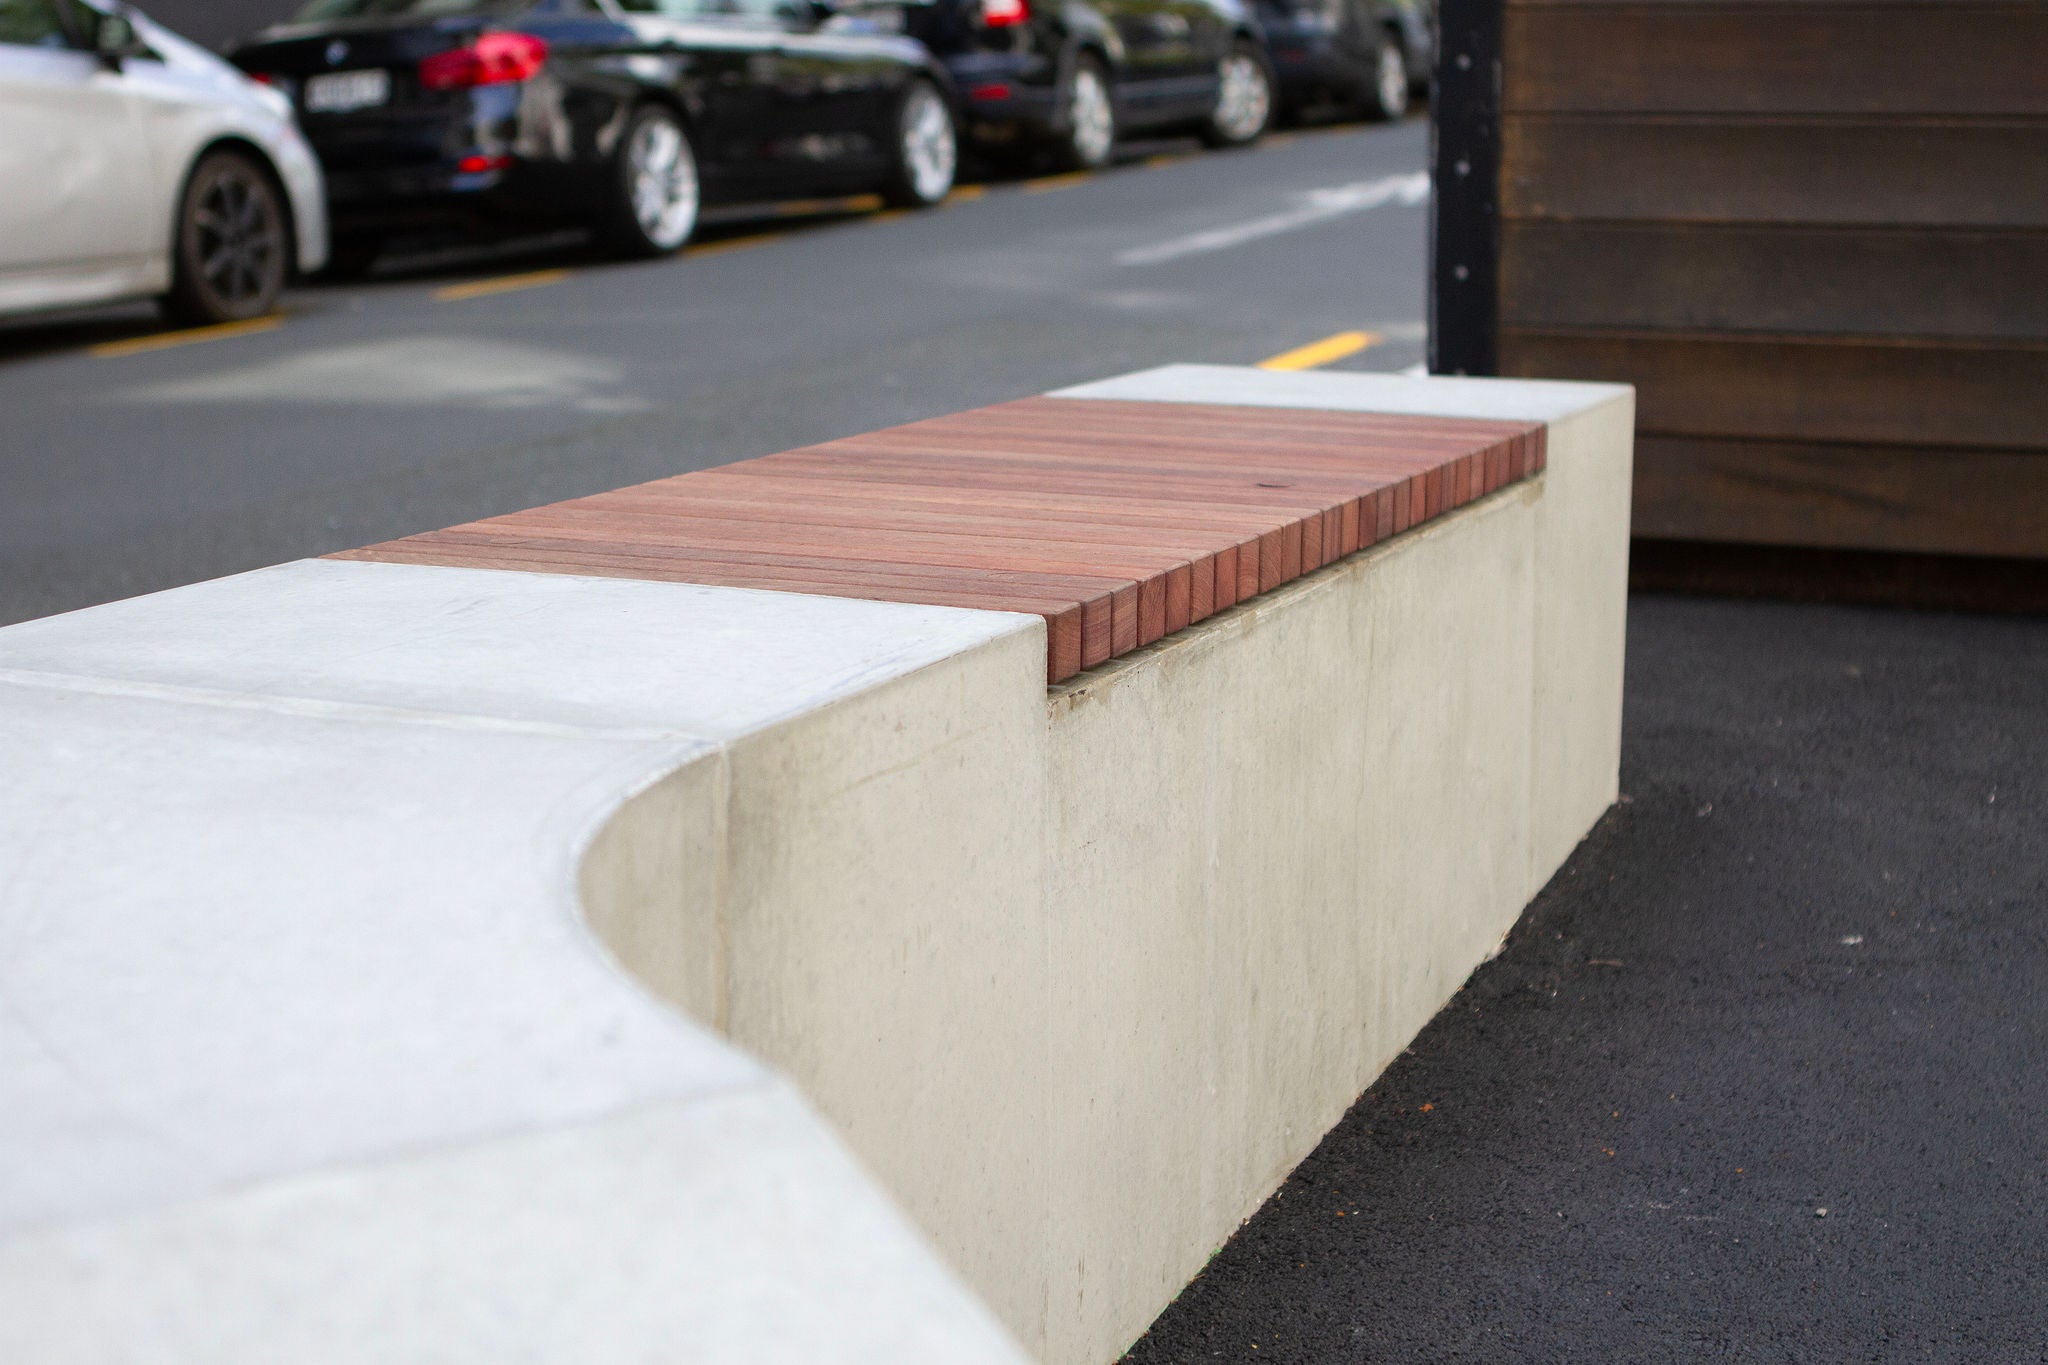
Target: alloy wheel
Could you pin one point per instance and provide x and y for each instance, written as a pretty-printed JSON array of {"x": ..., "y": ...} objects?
[
  {"x": 1090, "y": 116},
  {"x": 661, "y": 179},
  {"x": 236, "y": 252},
  {"x": 1390, "y": 80},
  {"x": 1244, "y": 98},
  {"x": 931, "y": 154}
]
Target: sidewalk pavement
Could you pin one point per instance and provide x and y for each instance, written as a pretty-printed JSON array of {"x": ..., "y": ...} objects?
[{"x": 1761, "y": 1075}]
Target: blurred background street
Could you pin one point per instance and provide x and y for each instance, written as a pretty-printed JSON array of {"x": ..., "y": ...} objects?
[{"x": 473, "y": 382}]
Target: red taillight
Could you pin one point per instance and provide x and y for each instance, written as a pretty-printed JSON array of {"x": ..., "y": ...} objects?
[
  {"x": 1005, "y": 13},
  {"x": 988, "y": 94},
  {"x": 493, "y": 59},
  {"x": 476, "y": 165},
  {"x": 261, "y": 77}
]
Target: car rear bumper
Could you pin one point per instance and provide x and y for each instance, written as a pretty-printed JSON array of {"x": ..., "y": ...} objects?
[
  {"x": 452, "y": 195},
  {"x": 1309, "y": 64},
  {"x": 1003, "y": 95}
]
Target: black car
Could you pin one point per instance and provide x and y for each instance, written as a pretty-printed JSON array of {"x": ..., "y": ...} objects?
[
  {"x": 1070, "y": 76},
  {"x": 620, "y": 114},
  {"x": 1362, "y": 56}
]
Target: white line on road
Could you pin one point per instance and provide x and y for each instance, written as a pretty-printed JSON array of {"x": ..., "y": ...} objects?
[{"x": 1316, "y": 206}]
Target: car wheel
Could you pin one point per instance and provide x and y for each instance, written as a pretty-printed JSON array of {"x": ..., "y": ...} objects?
[
  {"x": 1089, "y": 121},
  {"x": 1244, "y": 99},
  {"x": 655, "y": 194},
  {"x": 229, "y": 257},
  {"x": 927, "y": 149},
  {"x": 1389, "y": 98}
]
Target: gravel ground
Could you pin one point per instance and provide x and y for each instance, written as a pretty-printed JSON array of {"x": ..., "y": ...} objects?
[{"x": 1760, "y": 1075}]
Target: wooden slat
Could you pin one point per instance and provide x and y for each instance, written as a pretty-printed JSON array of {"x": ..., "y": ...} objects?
[
  {"x": 1814, "y": 389},
  {"x": 1951, "y": 173},
  {"x": 1939, "y": 57},
  {"x": 1931, "y": 283},
  {"x": 1118, "y": 522},
  {"x": 1971, "y": 502}
]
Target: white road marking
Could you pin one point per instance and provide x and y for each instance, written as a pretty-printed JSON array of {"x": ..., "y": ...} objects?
[
  {"x": 1316, "y": 206},
  {"x": 411, "y": 372}
]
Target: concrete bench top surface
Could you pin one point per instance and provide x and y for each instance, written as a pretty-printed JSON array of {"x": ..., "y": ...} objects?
[{"x": 298, "y": 1009}]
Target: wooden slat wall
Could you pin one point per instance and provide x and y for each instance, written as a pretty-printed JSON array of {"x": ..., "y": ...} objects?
[{"x": 1814, "y": 233}]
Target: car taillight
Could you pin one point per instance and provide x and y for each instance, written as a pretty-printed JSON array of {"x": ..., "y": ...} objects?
[
  {"x": 493, "y": 59},
  {"x": 1005, "y": 13}
]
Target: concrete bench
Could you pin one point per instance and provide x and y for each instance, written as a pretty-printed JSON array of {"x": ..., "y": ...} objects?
[{"x": 309, "y": 1052}]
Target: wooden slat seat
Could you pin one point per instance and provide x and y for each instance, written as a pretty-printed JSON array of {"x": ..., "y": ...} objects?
[{"x": 1119, "y": 522}]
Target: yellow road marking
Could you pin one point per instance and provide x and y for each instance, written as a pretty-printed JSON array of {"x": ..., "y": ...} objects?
[
  {"x": 163, "y": 341},
  {"x": 1321, "y": 352},
  {"x": 1047, "y": 183},
  {"x": 965, "y": 194},
  {"x": 1279, "y": 139},
  {"x": 1166, "y": 159},
  {"x": 806, "y": 208},
  {"x": 501, "y": 284}
]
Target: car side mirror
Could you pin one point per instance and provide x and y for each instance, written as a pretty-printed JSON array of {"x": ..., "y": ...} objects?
[{"x": 115, "y": 40}]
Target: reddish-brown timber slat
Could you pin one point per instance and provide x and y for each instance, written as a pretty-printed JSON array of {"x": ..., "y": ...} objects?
[{"x": 1118, "y": 522}]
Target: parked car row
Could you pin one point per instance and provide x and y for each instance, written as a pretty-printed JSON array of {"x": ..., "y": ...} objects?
[{"x": 368, "y": 118}]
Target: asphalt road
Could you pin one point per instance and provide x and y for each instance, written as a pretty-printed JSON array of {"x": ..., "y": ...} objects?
[
  {"x": 1759, "y": 1076},
  {"x": 467, "y": 386}
]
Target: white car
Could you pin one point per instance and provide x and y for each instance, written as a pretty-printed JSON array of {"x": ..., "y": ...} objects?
[{"x": 134, "y": 163}]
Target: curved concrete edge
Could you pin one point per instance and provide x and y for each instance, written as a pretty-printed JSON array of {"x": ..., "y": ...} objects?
[{"x": 306, "y": 1051}]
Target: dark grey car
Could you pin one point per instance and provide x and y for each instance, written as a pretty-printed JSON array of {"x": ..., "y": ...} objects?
[{"x": 1363, "y": 56}]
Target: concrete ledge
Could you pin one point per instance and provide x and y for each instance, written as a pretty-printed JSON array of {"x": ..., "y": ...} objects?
[{"x": 298, "y": 974}]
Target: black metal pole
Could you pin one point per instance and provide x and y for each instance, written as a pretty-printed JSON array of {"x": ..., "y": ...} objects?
[{"x": 1464, "y": 207}]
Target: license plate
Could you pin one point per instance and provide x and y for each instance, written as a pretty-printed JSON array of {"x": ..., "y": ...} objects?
[{"x": 337, "y": 92}]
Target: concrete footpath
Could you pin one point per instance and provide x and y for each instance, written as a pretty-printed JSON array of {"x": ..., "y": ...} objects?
[{"x": 1761, "y": 1075}]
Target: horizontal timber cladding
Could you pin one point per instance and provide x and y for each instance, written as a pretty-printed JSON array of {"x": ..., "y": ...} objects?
[
  {"x": 1776, "y": 170},
  {"x": 1936, "y": 283},
  {"x": 1834, "y": 57},
  {"x": 1119, "y": 522},
  {"x": 1915, "y": 500},
  {"x": 1870, "y": 391},
  {"x": 1814, "y": 235}
]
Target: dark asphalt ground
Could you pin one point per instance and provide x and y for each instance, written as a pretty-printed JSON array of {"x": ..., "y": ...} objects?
[
  {"x": 387, "y": 408},
  {"x": 1762, "y": 1074}
]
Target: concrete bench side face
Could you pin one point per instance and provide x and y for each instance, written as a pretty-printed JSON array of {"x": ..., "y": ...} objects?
[{"x": 1270, "y": 847}]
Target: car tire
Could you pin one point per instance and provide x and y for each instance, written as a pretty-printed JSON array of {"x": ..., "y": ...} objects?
[
  {"x": 1246, "y": 94},
  {"x": 1387, "y": 99},
  {"x": 231, "y": 251},
  {"x": 927, "y": 154},
  {"x": 1088, "y": 120},
  {"x": 655, "y": 193}
]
